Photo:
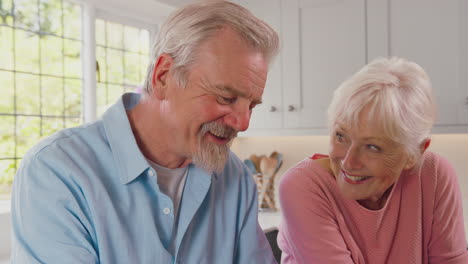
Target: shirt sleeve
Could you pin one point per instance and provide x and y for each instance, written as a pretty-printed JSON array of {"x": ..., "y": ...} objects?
[
  {"x": 448, "y": 243},
  {"x": 49, "y": 218},
  {"x": 309, "y": 232},
  {"x": 252, "y": 245}
]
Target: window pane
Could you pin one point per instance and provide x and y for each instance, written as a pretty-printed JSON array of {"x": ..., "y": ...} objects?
[
  {"x": 114, "y": 35},
  {"x": 51, "y": 55},
  {"x": 8, "y": 93},
  {"x": 72, "y": 97},
  {"x": 132, "y": 68},
  {"x": 129, "y": 88},
  {"x": 27, "y": 93},
  {"x": 52, "y": 96},
  {"x": 6, "y": 48},
  {"x": 28, "y": 131},
  {"x": 26, "y": 14},
  {"x": 144, "y": 67},
  {"x": 144, "y": 41},
  {"x": 113, "y": 93},
  {"x": 6, "y": 12},
  {"x": 101, "y": 59},
  {"x": 51, "y": 125},
  {"x": 26, "y": 51},
  {"x": 7, "y": 140},
  {"x": 72, "y": 55},
  {"x": 131, "y": 39},
  {"x": 101, "y": 98},
  {"x": 72, "y": 122},
  {"x": 71, "y": 20},
  {"x": 100, "y": 32},
  {"x": 7, "y": 171},
  {"x": 115, "y": 64},
  {"x": 50, "y": 12}
]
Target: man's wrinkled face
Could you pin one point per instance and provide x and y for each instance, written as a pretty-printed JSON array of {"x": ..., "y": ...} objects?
[{"x": 223, "y": 86}]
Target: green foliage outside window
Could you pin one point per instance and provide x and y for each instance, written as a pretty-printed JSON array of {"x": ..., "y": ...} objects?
[
  {"x": 40, "y": 76},
  {"x": 41, "y": 73}
]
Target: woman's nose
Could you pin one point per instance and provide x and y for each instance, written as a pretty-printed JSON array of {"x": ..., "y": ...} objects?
[{"x": 352, "y": 159}]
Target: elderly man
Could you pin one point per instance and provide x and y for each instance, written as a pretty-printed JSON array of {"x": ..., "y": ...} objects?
[{"x": 154, "y": 180}]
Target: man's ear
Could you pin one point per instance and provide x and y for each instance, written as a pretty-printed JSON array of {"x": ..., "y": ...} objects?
[{"x": 160, "y": 75}]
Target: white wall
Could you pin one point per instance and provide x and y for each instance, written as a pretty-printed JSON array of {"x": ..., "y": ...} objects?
[
  {"x": 294, "y": 149},
  {"x": 5, "y": 231}
]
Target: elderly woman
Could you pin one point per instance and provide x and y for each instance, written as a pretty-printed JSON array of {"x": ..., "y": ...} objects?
[{"x": 379, "y": 196}]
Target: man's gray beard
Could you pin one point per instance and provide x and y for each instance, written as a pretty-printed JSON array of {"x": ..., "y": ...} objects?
[{"x": 210, "y": 156}]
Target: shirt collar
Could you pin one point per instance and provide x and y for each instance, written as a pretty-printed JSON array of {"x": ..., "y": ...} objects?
[{"x": 127, "y": 156}]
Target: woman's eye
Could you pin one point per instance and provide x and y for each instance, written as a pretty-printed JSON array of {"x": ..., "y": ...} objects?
[
  {"x": 373, "y": 147},
  {"x": 339, "y": 137},
  {"x": 226, "y": 100}
]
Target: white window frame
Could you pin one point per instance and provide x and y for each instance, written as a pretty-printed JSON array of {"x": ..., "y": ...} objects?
[{"x": 90, "y": 14}]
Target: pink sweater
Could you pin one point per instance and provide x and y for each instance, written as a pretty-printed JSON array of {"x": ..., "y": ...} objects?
[{"x": 421, "y": 222}]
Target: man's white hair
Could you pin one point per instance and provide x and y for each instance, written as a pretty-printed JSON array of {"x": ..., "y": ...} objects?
[
  {"x": 186, "y": 29},
  {"x": 398, "y": 95}
]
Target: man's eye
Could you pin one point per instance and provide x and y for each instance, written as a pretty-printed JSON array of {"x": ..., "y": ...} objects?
[{"x": 226, "y": 100}]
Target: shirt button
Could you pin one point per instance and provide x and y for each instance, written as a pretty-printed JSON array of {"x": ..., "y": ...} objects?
[
  {"x": 166, "y": 210},
  {"x": 150, "y": 173}
]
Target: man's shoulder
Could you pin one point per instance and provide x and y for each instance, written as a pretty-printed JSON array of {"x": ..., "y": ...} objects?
[{"x": 67, "y": 140}]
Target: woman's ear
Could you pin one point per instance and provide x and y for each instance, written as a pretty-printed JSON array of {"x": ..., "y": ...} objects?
[
  {"x": 422, "y": 147},
  {"x": 425, "y": 144},
  {"x": 160, "y": 75},
  {"x": 410, "y": 163}
]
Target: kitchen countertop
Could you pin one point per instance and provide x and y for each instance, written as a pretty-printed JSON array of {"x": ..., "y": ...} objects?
[{"x": 269, "y": 219}]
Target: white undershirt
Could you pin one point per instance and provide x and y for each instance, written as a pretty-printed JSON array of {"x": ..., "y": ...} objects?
[{"x": 171, "y": 182}]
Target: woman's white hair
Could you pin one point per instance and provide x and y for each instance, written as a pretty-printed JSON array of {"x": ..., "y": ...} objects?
[
  {"x": 398, "y": 95},
  {"x": 188, "y": 27}
]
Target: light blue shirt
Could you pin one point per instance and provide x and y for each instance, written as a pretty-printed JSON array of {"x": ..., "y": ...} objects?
[{"x": 87, "y": 195}]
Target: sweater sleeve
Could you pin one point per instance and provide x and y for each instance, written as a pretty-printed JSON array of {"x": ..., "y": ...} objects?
[
  {"x": 447, "y": 243},
  {"x": 309, "y": 232}
]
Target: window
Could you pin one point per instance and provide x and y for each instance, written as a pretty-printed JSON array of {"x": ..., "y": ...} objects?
[
  {"x": 122, "y": 57},
  {"x": 41, "y": 75}
]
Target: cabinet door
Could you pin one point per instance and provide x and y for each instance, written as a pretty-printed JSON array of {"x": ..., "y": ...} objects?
[
  {"x": 434, "y": 34},
  {"x": 324, "y": 42},
  {"x": 269, "y": 114}
]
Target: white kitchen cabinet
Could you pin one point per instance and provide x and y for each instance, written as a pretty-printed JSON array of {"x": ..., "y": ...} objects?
[
  {"x": 434, "y": 34},
  {"x": 326, "y": 41},
  {"x": 269, "y": 114}
]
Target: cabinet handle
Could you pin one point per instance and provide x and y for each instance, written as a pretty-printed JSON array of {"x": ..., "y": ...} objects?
[
  {"x": 272, "y": 108},
  {"x": 291, "y": 108},
  {"x": 466, "y": 100}
]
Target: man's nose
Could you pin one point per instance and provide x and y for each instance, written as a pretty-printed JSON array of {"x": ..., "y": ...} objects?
[{"x": 239, "y": 118}]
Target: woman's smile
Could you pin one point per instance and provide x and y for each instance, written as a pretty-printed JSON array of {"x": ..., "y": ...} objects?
[{"x": 354, "y": 179}]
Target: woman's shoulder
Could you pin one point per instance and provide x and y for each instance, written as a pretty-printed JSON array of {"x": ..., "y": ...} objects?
[
  {"x": 436, "y": 165},
  {"x": 437, "y": 172},
  {"x": 308, "y": 173}
]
